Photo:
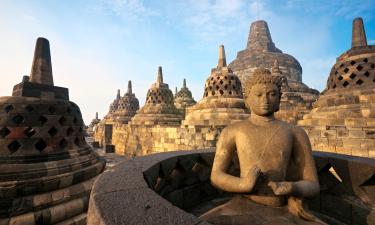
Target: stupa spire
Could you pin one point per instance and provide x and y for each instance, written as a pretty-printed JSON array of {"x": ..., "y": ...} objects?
[
  {"x": 130, "y": 90},
  {"x": 160, "y": 76},
  {"x": 260, "y": 37},
  {"x": 358, "y": 33},
  {"x": 222, "y": 59},
  {"x": 41, "y": 70},
  {"x": 184, "y": 83},
  {"x": 96, "y": 116},
  {"x": 118, "y": 94}
]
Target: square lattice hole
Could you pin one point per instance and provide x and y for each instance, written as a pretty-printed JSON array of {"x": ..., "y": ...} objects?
[
  {"x": 346, "y": 83},
  {"x": 53, "y": 131},
  {"x": 359, "y": 82},
  {"x": 4, "y": 132},
  {"x": 359, "y": 67},
  {"x": 18, "y": 119},
  {"x": 29, "y": 132},
  {"x": 352, "y": 63},
  {"x": 346, "y": 70},
  {"x": 14, "y": 146},
  {"x": 367, "y": 74},
  {"x": 41, "y": 145},
  {"x": 8, "y": 108},
  {"x": 352, "y": 76}
]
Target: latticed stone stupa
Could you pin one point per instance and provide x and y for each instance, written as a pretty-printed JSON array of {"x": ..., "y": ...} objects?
[
  {"x": 262, "y": 52},
  {"x": 183, "y": 98},
  {"x": 159, "y": 107},
  {"x": 222, "y": 103},
  {"x": 46, "y": 167},
  {"x": 343, "y": 118},
  {"x": 114, "y": 105},
  {"x": 127, "y": 106}
]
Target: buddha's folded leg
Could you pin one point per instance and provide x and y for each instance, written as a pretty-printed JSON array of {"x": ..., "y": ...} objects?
[{"x": 242, "y": 211}]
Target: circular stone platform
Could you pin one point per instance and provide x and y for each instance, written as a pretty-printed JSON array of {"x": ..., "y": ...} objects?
[{"x": 167, "y": 188}]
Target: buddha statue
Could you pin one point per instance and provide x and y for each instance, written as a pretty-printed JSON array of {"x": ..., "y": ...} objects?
[{"x": 275, "y": 160}]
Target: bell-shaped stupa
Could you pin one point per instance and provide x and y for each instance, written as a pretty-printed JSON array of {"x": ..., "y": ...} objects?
[
  {"x": 46, "y": 167},
  {"x": 127, "y": 106},
  {"x": 343, "y": 118},
  {"x": 184, "y": 97},
  {"x": 159, "y": 108},
  {"x": 222, "y": 102}
]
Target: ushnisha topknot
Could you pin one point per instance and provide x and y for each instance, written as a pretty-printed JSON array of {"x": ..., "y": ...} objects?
[{"x": 264, "y": 76}]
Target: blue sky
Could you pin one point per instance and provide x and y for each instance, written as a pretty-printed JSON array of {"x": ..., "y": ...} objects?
[{"x": 97, "y": 46}]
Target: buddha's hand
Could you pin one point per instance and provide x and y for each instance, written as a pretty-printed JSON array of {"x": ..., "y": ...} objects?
[
  {"x": 252, "y": 176},
  {"x": 281, "y": 188}
]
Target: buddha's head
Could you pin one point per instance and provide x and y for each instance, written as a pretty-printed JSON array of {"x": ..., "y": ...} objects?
[{"x": 263, "y": 92}]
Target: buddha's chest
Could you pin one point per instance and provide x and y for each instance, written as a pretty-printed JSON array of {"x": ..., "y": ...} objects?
[{"x": 268, "y": 148}]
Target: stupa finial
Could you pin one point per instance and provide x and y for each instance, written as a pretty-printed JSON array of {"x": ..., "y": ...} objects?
[
  {"x": 358, "y": 33},
  {"x": 222, "y": 59},
  {"x": 276, "y": 68},
  {"x": 41, "y": 70},
  {"x": 160, "y": 76},
  {"x": 184, "y": 83},
  {"x": 130, "y": 90}
]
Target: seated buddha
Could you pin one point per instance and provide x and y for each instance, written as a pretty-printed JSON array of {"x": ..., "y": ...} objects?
[{"x": 277, "y": 169}]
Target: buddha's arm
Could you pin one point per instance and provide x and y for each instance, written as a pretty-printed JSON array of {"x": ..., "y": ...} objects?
[
  {"x": 225, "y": 148},
  {"x": 308, "y": 186}
]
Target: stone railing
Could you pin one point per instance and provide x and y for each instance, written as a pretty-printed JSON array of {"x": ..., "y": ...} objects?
[{"x": 163, "y": 188}]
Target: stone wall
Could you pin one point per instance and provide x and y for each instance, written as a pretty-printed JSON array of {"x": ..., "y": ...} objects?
[{"x": 141, "y": 140}]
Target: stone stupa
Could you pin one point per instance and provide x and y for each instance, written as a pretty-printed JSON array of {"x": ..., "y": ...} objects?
[
  {"x": 183, "y": 98},
  {"x": 261, "y": 51},
  {"x": 343, "y": 118},
  {"x": 47, "y": 169},
  {"x": 159, "y": 108},
  {"x": 222, "y": 102},
  {"x": 127, "y": 106}
]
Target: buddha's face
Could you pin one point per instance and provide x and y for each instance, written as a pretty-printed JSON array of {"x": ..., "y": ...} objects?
[{"x": 263, "y": 99}]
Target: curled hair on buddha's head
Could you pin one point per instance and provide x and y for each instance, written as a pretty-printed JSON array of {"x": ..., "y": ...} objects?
[{"x": 264, "y": 76}]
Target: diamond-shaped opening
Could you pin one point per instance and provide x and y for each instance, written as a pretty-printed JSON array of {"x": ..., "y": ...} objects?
[
  {"x": 8, "y": 108},
  {"x": 352, "y": 76},
  {"x": 341, "y": 65},
  {"x": 69, "y": 131},
  {"x": 18, "y": 119},
  {"x": 4, "y": 132},
  {"x": 336, "y": 72},
  {"x": 40, "y": 145},
  {"x": 75, "y": 120},
  {"x": 359, "y": 82},
  {"x": 62, "y": 121},
  {"x": 340, "y": 78},
  {"x": 76, "y": 141},
  {"x": 29, "y": 108},
  {"x": 365, "y": 60},
  {"x": 221, "y": 92},
  {"x": 29, "y": 132},
  {"x": 53, "y": 131},
  {"x": 14, "y": 146},
  {"x": 346, "y": 83},
  {"x": 42, "y": 120},
  {"x": 370, "y": 181},
  {"x": 352, "y": 63},
  {"x": 367, "y": 74},
  {"x": 346, "y": 70},
  {"x": 63, "y": 143},
  {"x": 372, "y": 66},
  {"x": 359, "y": 67},
  {"x": 52, "y": 109}
]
